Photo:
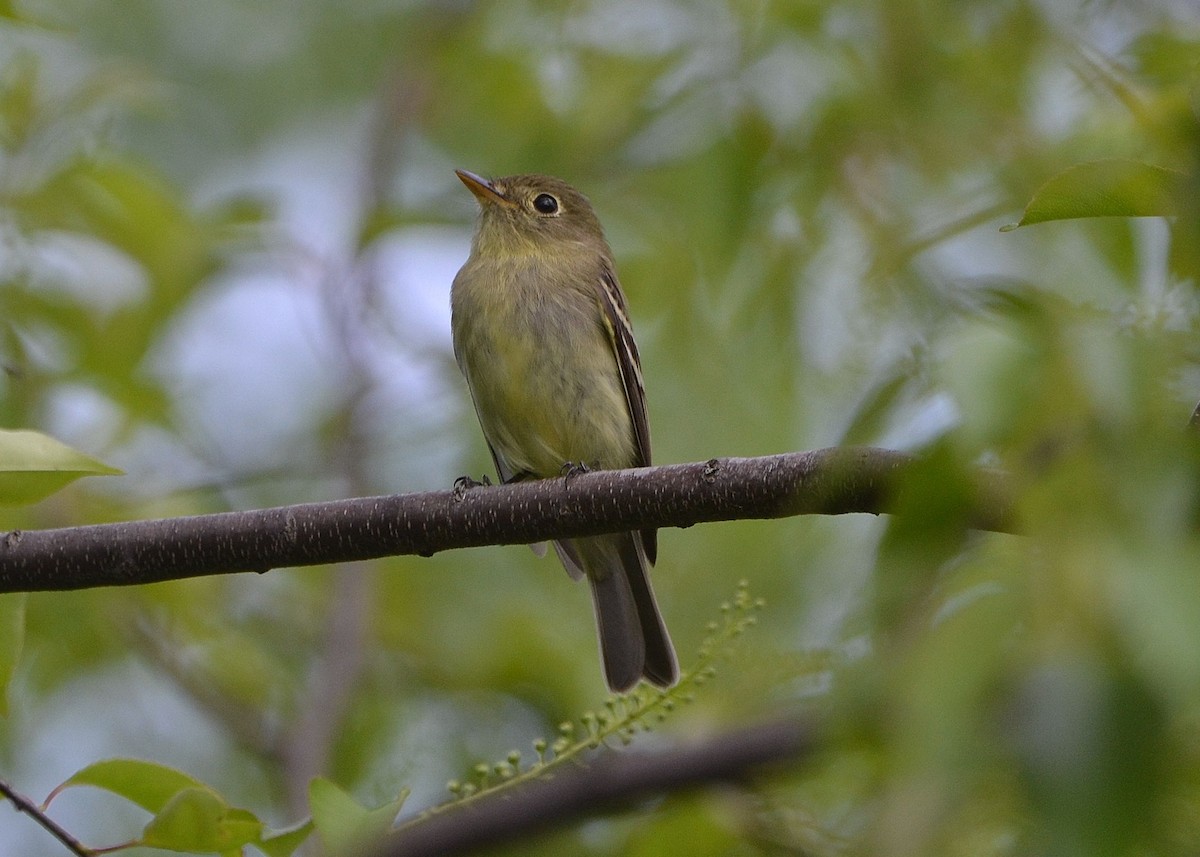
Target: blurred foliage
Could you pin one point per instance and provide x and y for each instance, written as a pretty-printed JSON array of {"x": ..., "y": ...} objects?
[
  {"x": 34, "y": 466},
  {"x": 188, "y": 816},
  {"x": 227, "y": 233}
]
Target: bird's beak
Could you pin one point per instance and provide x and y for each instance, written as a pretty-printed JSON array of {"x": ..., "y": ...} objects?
[{"x": 484, "y": 190}]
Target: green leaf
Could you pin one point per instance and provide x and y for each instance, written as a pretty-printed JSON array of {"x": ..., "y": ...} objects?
[
  {"x": 335, "y": 814},
  {"x": 342, "y": 822},
  {"x": 281, "y": 843},
  {"x": 12, "y": 636},
  {"x": 147, "y": 784},
  {"x": 190, "y": 821},
  {"x": 188, "y": 815},
  {"x": 1108, "y": 188},
  {"x": 34, "y": 465},
  {"x": 199, "y": 820}
]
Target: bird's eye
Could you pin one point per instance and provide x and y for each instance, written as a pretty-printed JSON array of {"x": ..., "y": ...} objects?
[{"x": 545, "y": 203}]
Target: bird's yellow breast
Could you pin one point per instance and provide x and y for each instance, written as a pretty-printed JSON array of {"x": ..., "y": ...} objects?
[{"x": 541, "y": 368}]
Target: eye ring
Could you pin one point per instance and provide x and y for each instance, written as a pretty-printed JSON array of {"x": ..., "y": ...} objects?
[{"x": 544, "y": 203}]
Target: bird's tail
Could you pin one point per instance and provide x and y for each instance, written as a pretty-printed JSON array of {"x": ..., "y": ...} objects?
[{"x": 633, "y": 637}]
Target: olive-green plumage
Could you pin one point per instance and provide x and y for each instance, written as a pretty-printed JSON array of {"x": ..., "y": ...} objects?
[{"x": 542, "y": 334}]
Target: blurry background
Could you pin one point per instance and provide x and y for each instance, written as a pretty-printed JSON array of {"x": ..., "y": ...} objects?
[{"x": 227, "y": 235}]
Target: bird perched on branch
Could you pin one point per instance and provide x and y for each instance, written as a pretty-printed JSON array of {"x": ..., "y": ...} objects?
[{"x": 542, "y": 334}]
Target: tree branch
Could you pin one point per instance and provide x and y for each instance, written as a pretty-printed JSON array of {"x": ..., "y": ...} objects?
[
  {"x": 616, "y": 781},
  {"x": 25, "y": 805},
  {"x": 823, "y": 482}
]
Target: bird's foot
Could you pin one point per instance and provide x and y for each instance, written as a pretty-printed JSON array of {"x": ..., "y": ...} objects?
[
  {"x": 463, "y": 484},
  {"x": 571, "y": 469}
]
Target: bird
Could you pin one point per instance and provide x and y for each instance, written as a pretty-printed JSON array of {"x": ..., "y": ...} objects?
[{"x": 542, "y": 335}]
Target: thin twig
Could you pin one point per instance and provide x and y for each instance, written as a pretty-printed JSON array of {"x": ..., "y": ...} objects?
[
  {"x": 25, "y": 805},
  {"x": 617, "y": 781}
]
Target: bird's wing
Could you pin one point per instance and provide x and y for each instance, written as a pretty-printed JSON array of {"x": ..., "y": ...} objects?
[
  {"x": 505, "y": 472},
  {"x": 616, "y": 318}
]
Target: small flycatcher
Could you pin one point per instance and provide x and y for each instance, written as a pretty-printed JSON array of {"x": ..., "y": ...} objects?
[{"x": 542, "y": 334}]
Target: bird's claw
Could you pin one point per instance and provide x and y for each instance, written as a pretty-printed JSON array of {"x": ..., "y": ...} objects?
[
  {"x": 571, "y": 469},
  {"x": 463, "y": 484}
]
